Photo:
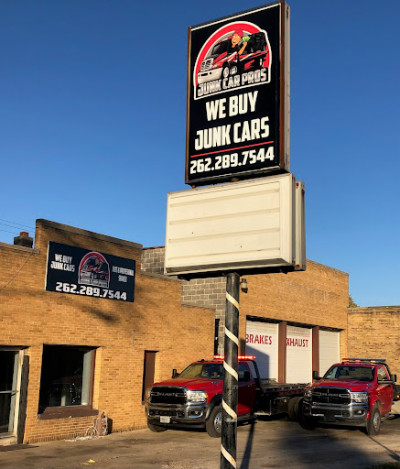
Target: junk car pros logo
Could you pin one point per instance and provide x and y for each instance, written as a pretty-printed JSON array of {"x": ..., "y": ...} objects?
[
  {"x": 94, "y": 270},
  {"x": 235, "y": 56}
]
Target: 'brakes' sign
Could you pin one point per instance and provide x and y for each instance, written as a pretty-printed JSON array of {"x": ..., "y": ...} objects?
[{"x": 238, "y": 96}]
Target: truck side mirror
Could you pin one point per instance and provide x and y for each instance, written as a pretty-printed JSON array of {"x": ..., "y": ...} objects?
[
  {"x": 315, "y": 375},
  {"x": 175, "y": 373},
  {"x": 394, "y": 378}
]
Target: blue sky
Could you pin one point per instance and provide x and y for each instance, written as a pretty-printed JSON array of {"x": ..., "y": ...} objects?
[{"x": 93, "y": 112}]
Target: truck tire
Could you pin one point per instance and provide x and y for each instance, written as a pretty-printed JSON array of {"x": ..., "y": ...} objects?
[
  {"x": 293, "y": 408},
  {"x": 214, "y": 422},
  {"x": 305, "y": 421},
  {"x": 308, "y": 423},
  {"x": 374, "y": 422},
  {"x": 225, "y": 71},
  {"x": 156, "y": 428}
]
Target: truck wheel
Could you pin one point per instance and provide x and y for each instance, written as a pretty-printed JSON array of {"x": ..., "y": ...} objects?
[
  {"x": 308, "y": 423},
  {"x": 214, "y": 422},
  {"x": 305, "y": 421},
  {"x": 374, "y": 421},
  {"x": 225, "y": 71},
  {"x": 293, "y": 408},
  {"x": 156, "y": 428}
]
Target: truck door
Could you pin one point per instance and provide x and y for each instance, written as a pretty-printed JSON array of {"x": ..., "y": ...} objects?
[
  {"x": 246, "y": 390},
  {"x": 384, "y": 391}
]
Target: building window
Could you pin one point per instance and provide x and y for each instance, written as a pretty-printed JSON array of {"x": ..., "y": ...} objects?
[{"x": 67, "y": 376}]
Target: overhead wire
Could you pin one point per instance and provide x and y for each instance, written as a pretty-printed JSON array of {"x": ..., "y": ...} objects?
[
  {"x": 14, "y": 228},
  {"x": 13, "y": 224}
]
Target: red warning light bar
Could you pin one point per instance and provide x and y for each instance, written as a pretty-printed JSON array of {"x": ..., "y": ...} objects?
[{"x": 240, "y": 357}]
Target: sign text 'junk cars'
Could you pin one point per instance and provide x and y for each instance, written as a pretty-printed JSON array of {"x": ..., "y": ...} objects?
[{"x": 237, "y": 106}]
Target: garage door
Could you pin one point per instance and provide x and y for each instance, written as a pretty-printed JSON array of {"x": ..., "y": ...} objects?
[
  {"x": 329, "y": 349},
  {"x": 262, "y": 341},
  {"x": 298, "y": 355}
]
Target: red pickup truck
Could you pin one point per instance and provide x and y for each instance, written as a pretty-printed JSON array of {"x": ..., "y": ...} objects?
[
  {"x": 193, "y": 398},
  {"x": 357, "y": 392}
]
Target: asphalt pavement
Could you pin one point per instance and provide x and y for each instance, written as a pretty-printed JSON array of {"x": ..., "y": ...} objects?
[{"x": 277, "y": 443}]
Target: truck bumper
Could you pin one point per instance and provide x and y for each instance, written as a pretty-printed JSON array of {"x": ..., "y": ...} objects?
[
  {"x": 179, "y": 415},
  {"x": 209, "y": 75},
  {"x": 353, "y": 414}
]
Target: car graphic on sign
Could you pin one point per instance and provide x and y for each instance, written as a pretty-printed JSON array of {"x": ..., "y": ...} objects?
[
  {"x": 94, "y": 270},
  {"x": 223, "y": 60},
  {"x": 235, "y": 56}
]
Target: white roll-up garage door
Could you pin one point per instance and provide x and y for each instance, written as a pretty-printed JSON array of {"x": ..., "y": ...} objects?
[
  {"x": 298, "y": 355},
  {"x": 329, "y": 349},
  {"x": 262, "y": 341}
]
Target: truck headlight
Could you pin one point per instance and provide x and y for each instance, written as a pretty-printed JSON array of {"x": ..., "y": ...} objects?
[
  {"x": 359, "y": 396},
  {"x": 196, "y": 396},
  {"x": 307, "y": 394}
]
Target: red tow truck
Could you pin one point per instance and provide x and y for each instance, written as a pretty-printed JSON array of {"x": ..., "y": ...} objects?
[
  {"x": 356, "y": 392},
  {"x": 193, "y": 398}
]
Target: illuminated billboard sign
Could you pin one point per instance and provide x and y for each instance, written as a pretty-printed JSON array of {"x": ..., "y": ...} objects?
[{"x": 238, "y": 96}]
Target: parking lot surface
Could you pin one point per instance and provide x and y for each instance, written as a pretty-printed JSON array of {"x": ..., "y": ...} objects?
[{"x": 264, "y": 444}]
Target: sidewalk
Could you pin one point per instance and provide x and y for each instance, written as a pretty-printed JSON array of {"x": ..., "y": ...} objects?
[{"x": 265, "y": 444}]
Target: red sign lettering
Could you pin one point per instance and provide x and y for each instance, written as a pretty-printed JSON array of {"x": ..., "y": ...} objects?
[
  {"x": 258, "y": 339},
  {"x": 294, "y": 342}
]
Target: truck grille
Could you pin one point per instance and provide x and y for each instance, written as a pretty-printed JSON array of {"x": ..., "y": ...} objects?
[
  {"x": 167, "y": 395},
  {"x": 331, "y": 396},
  {"x": 206, "y": 65}
]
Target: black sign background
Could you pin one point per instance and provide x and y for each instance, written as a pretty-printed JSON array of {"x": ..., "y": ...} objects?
[
  {"x": 267, "y": 104},
  {"x": 82, "y": 272}
]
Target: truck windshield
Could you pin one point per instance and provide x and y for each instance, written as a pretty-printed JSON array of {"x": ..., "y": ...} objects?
[
  {"x": 360, "y": 373},
  {"x": 220, "y": 48},
  {"x": 200, "y": 370}
]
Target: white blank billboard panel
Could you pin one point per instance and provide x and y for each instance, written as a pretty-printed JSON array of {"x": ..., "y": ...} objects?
[{"x": 238, "y": 225}]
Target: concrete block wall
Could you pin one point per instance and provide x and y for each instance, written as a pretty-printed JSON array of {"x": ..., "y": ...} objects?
[{"x": 153, "y": 260}]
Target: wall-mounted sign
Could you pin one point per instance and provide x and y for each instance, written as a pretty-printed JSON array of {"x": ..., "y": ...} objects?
[
  {"x": 238, "y": 96},
  {"x": 82, "y": 272}
]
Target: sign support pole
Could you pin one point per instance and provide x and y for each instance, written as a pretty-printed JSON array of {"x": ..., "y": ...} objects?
[{"x": 230, "y": 386}]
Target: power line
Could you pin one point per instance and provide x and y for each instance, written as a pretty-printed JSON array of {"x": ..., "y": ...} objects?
[
  {"x": 7, "y": 231},
  {"x": 15, "y": 225}
]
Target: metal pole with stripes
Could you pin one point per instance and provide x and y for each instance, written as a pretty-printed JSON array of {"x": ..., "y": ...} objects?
[{"x": 230, "y": 387}]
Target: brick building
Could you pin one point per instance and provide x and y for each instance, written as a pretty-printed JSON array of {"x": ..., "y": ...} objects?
[
  {"x": 294, "y": 323},
  {"x": 64, "y": 356},
  {"x": 68, "y": 356},
  {"x": 374, "y": 332}
]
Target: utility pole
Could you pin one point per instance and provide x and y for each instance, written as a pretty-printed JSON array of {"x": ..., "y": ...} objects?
[{"x": 230, "y": 386}]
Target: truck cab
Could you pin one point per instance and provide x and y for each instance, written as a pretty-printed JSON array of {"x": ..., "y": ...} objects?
[
  {"x": 193, "y": 398},
  {"x": 356, "y": 392}
]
